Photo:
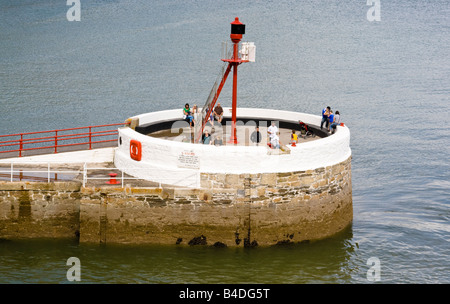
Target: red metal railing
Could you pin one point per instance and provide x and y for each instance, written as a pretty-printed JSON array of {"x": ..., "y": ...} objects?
[{"x": 55, "y": 139}]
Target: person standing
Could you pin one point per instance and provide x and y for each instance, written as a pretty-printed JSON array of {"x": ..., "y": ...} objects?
[
  {"x": 256, "y": 136},
  {"x": 294, "y": 138},
  {"x": 330, "y": 120},
  {"x": 325, "y": 117},
  {"x": 197, "y": 120},
  {"x": 272, "y": 130}
]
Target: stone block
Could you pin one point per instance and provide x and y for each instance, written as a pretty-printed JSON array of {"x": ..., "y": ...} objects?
[
  {"x": 233, "y": 181},
  {"x": 269, "y": 179}
]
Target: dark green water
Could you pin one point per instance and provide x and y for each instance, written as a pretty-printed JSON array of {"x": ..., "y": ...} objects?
[
  {"x": 389, "y": 80},
  {"x": 323, "y": 261}
]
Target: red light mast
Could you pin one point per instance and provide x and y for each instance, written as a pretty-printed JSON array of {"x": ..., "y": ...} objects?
[{"x": 237, "y": 30}]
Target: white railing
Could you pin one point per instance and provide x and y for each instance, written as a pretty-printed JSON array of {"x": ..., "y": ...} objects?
[
  {"x": 18, "y": 171},
  {"x": 122, "y": 177},
  {"x": 45, "y": 174}
]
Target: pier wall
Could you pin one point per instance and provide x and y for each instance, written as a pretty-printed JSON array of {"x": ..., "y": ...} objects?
[
  {"x": 165, "y": 161},
  {"x": 272, "y": 208},
  {"x": 39, "y": 210}
]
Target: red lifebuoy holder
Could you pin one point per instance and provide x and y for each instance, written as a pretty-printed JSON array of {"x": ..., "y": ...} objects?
[{"x": 135, "y": 150}]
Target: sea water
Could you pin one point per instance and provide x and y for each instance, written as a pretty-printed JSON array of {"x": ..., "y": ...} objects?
[{"x": 388, "y": 77}]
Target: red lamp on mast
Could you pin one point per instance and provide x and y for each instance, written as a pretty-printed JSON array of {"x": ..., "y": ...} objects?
[{"x": 237, "y": 30}]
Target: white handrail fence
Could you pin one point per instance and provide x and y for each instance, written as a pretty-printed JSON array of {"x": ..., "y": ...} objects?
[{"x": 16, "y": 172}]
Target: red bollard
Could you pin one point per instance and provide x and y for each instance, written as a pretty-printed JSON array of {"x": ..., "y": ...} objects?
[{"x": 112, "y": 180}]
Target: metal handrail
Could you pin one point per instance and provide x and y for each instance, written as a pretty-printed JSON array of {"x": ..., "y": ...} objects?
[
  {"x": 56, "y": 137},
  {"x": 11, "y": 173},
  {"x": 122, "y": 178}
]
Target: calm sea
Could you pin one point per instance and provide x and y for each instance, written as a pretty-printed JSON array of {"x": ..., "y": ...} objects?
[{"x": 390, "y": 80}]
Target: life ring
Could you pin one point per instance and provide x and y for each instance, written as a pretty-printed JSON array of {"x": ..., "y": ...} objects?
[{"x": 135, "y": 150}]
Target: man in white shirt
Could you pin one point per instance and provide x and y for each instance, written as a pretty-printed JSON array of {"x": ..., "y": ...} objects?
[{"x": 272, "y": 130}]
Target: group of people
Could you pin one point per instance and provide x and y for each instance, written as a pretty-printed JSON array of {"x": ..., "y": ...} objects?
[
  {"x": 330, "y": 119},
  {"x": 272, "y": 132},
  {"x": 194, "y": 118},
  {"x": 274, "y": 137},
  {"x": 207, "y": 139}
]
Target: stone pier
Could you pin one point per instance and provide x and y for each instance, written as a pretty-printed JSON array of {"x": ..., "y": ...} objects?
[{"x": 227, "y": 210}]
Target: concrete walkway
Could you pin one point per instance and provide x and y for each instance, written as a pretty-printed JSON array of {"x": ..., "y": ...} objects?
[{"x": 77, "y": 157}]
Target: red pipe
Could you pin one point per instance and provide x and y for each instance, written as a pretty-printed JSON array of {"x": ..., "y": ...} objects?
[{"x": 233, "y": 137}]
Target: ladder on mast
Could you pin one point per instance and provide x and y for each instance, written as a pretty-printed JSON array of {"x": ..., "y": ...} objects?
[{"x": 208, "y": 108}]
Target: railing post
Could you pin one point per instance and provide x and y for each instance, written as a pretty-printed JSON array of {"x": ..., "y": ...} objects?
[
  {"x": 56, "y": 141},
  {"x": 48, "y": 172},
  {"x": 90, "y": 137},
  {"x": 84, "y": 175},
  {"x": 12, "y": 170},
  {"x": 21, "y": 145}
]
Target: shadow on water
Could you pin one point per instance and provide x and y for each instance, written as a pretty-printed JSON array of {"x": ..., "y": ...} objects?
[{"x": 44, "y": 261}]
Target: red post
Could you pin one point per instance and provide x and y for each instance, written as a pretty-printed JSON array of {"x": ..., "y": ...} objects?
[
  {"x": 90, "y": 138},
  {"x": 21, "y": 145},
  {"x": 56, "y": 141},
  {"x": 233, "y": 137},
  {"x": 112, "y": 179}
]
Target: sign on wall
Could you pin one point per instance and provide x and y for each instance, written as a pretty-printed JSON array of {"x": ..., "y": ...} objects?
[{"x": 188, "y": 159}]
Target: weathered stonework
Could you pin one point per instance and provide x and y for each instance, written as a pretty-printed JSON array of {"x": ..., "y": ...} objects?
[
  {"x": 232, "y": 210},
  {"x": 39, "y": 210}
]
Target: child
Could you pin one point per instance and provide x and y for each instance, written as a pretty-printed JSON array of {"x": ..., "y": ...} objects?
[{"x": 294, "y": 138}]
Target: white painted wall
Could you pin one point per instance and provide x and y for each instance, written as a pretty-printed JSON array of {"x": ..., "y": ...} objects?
[{"x": 160, "y": 157}]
